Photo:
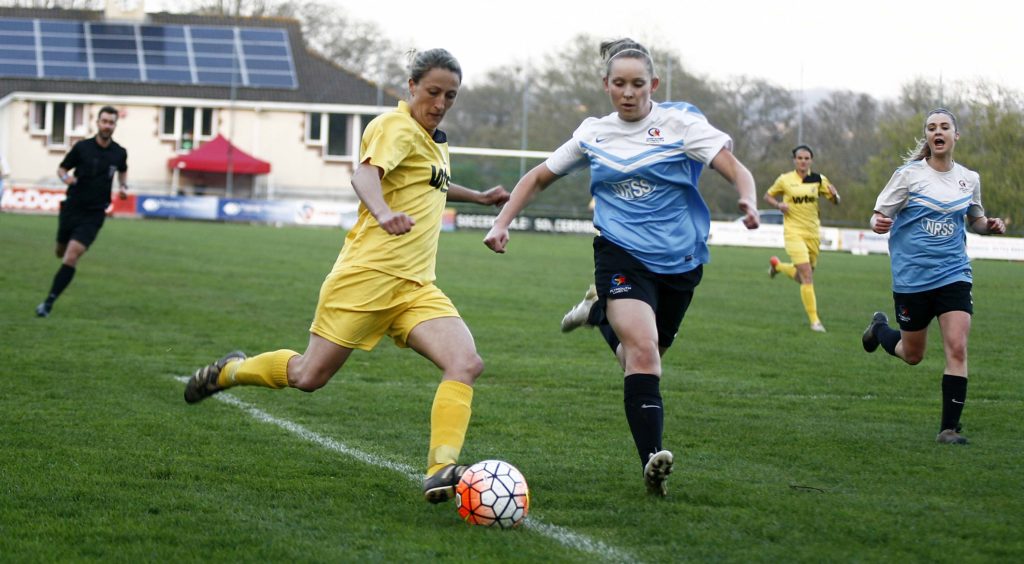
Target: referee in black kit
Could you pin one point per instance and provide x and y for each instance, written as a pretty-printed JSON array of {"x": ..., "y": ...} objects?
[{"x": 94, "y": 161}]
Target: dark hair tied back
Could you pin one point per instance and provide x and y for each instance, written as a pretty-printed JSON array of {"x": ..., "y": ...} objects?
[
  {"x": 420, "y": 63},
  {"x": 626, "y": 48},
  {"x": 803, "y": 148}
]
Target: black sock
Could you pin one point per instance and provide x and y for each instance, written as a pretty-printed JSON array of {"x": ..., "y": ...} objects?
[
  {"x": 644, "y": 412},
  {"x": 888, "y": 338},
  {"x": 954, "y": 394},
  {"x": 609, "y": 337},
  {"x": 60, "y": 282}
]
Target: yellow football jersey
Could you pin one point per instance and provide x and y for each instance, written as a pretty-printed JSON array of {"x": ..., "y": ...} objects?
[
  {"x": 415, "y": 181},
  {"x": 801, "y": 195}
]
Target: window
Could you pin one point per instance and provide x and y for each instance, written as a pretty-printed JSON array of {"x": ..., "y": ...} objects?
[
  {"x": 333, "y": 132},
  {"x": 78, "y": 118},
  {"x": 57, "y": 126},
  {"x": 206, "y": 123},
  {"x": 313, "y": 127},
  {"x": 365, "y": 120},
  {"x": 337, "y": 135},
  {"x": 168, "y": 127},
  {"x": 186, "y": 125},
  {"x": 58, "y": 121},
  {"x": 39, "y": 116},
  {"x": 188, "y": 129}
]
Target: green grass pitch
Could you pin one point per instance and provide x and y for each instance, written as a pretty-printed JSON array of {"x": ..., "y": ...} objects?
[{"x": 791, "y": 446}]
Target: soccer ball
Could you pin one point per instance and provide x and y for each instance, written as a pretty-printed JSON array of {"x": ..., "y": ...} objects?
[{"x": 493, "y": 492}]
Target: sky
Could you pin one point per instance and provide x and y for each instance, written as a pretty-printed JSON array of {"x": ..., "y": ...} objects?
[{"x": 871, "y": 46}]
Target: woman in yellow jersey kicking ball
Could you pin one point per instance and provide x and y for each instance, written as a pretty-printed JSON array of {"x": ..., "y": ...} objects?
[
  {"x": 801, "y": 226},
  {"x": 383, "y": 280}
]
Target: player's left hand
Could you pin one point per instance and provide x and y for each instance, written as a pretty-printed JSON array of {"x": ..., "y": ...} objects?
[
  {"x": 752, "y": 218},
  {"x": 996, "y": 226},
  {"x": 835, "y": 194},
  {"x": 496, "y": 196}
]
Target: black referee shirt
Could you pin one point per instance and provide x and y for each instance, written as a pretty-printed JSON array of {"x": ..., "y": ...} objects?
[{"x": 94, "y": 168}]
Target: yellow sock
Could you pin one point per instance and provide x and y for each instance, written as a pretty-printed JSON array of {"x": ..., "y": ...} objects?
[
  {"x": 269, "y": 370},
  {"x": 787, "y": 268},
  {"x": 810, "y": 302},
  {"x": 449, "y": 419}
]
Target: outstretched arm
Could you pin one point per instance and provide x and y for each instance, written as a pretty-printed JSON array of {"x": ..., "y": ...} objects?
[
  {"x": 366, "y": 183},
  {"x": 834, "y": 194},
  {"x": 733, "y": 170},
  {"x": 539, "y": 178},
  {"x": 496, "y": 196}
]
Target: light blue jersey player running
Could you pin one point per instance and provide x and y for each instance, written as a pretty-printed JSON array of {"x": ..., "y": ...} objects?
[
  {"x": 925, "y": 208},
  {"x": 644, "y": 160}
]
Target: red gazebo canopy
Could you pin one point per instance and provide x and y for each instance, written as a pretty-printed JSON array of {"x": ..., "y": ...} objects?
[{"x": 215, "y": 156}]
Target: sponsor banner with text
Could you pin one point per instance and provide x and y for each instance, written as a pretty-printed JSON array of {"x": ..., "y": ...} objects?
[
  {"x": 30, "y": 199},
  {"x": 733, "y": 233},
  {"x": 327, "y": 214},
  {"x": 178, "y": 207},
  {"x": 46, "y": 201},
  {"x": 539, "y": 224}
]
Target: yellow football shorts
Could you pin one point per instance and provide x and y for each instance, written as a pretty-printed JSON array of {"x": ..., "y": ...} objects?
[
  {"x": 803, "y": 249},
  {"x": 358, "y": 306}
]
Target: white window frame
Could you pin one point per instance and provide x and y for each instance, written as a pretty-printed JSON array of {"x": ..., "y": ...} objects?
[
  {"x": 355, "y": 134},
  {"x": 352, "y": 146},
  {"x": 197, "y": 126},
  {"x": 34, "y": 118},
  {"x": 71, "y": 130},
  {"x": 326, "y": 133},
  {"x": 322, "y": 118},
  {"x": 82, "y": 129}
]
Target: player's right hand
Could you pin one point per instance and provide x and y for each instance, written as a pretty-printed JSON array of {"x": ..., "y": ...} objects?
[
  {"x": 496, "y": 239},
  {"x": 396, "y": 223},
  {"x": 881, "y": 224}
]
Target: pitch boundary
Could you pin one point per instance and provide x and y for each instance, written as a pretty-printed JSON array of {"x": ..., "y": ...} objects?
[{"x": 559, "y": 534}]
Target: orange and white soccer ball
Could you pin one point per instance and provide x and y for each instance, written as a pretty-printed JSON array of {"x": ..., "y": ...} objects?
[{"x": 493, "y": 492}]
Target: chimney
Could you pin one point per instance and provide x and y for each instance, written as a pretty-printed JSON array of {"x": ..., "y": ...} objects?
[{"x": 124, "y": 11}]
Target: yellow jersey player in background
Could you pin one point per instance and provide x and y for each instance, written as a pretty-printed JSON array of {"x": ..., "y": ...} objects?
[
  {"x": 800, "y": 190},
  {"x": 383, "y": 280}
]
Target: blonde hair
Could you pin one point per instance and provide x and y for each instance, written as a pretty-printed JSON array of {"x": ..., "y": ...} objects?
[{"x": 922, "y": 150}]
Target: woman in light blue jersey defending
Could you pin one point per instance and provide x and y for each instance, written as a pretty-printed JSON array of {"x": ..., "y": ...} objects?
[
  {"x": 644, "y": 159},
  {"x": 925, "y": 208}
]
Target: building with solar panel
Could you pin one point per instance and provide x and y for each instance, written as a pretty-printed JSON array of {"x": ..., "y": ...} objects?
[{"x": 180, "y": 82}]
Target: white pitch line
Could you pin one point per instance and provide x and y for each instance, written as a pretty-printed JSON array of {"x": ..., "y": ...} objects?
[{"x": 560, "y": 535}]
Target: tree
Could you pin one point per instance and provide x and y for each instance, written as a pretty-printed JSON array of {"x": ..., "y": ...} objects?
[
  {"x": 761, "y": 118},
  {"x": 61, "y": 4},
  {"x": 992, "y": 132},
  {"x": 843, "y": 130}
]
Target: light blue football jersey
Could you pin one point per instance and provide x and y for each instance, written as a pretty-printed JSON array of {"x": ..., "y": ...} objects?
[
  {"x": 643, "y": 177},
  {"x": 928, "y": 239}
]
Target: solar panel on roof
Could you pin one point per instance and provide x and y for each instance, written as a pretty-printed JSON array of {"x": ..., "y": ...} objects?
[
  {"x": 17, "y": 70},
  {"x": 180, "y": 54},
  {"x": 16, "y": 25}
]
